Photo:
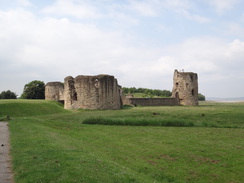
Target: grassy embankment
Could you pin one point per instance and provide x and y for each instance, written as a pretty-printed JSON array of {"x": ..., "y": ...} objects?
[{"x": 50, "y": 144}]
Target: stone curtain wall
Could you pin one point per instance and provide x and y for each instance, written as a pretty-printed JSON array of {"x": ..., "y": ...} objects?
[
  {"x": 54, "y": 91},
  {"x": 185, "y": 87},
  {"x": 91, "y": 92},
  {"x": 151, "y": 101}
]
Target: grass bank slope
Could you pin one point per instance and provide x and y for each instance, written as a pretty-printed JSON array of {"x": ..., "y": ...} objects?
[{"x": 24, "y": 108}]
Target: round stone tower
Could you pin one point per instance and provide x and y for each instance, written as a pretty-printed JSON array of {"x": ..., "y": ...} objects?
[
  {"x": 54, "y": 91},
  {"x": 92, "y": 92},
  {"x": 185, "y": 88}
]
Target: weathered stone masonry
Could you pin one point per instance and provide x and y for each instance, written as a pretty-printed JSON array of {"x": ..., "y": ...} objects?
[
  {"x": 91, "y": 92},
  {"x": 54, "y": 91},
  {"x": 185, "y": 87}
]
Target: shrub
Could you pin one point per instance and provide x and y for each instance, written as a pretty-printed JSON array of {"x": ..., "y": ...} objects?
[{"x": 138, "y": 122}]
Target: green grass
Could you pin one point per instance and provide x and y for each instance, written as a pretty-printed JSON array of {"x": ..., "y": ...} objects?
[
  {"x": 20, "y": 107},
  {"x": 221, "y": 115},
  {"x": 53, "y": 144}
]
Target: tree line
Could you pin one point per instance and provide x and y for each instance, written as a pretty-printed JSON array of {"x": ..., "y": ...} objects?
[
  {"x": 149, "y": 92},
  {"x": 8, "y": 95}
]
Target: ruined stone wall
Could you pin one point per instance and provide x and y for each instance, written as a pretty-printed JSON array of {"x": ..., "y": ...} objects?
[
  {"x": 54, "y": 91},
  {"x": 91, "y": 92},
  {"x": 185, "y": 87},
  {"x": 151, "y": 101},
  {"x": 70, "y": 95}
]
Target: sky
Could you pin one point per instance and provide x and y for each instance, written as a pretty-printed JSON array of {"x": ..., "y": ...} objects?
[{"x": 140, "y": 42}]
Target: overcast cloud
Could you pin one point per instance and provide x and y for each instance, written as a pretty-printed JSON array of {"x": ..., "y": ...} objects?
[{"x": 140, "y": 42}]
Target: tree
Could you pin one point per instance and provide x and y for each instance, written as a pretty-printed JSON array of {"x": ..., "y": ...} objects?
[
  {"x": 34, "y": 90},
  {"x": 201, "y": 97},
  {"x": 8, "y": 95}
]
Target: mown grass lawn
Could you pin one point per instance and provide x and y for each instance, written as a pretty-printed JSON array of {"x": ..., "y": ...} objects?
[{"x": 57, "y": 147}]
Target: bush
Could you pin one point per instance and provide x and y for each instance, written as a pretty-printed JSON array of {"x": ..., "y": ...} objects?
[{"x": 138, "y": 122}]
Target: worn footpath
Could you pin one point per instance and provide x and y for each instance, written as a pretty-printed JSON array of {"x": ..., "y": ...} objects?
[{"x": 6, "y": 175}]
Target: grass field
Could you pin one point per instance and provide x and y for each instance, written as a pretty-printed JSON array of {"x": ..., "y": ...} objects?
[{"x": 173, "y": 144}]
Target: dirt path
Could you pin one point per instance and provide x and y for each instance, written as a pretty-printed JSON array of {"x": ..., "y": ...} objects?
[{"x": 6, "y": 175}]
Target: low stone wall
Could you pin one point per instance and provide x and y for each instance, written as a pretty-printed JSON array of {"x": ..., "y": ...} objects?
[{"x": 151, "y": 101}]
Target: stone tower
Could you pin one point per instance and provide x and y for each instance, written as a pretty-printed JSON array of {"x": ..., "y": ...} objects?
[
  {"x": 91, "y": 92},
  {"x": 185, "y": 87},
  {"x": 54, "y": 91}
]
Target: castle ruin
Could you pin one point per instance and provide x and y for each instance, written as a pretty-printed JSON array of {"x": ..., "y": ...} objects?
[
  {"x": 185, "y": 87},
  {"x": 103, "y": 92},
  {"x": 91, "y": 92}
]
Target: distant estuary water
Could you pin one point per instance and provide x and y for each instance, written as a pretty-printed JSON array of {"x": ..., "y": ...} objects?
[{"x": 241, "y": 99}]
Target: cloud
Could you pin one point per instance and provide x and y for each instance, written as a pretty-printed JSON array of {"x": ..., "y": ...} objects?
[
  {"x": 208, "y": 54},
  {"x": 235, "y": 29},
  {"x": 185, "y": 8},
  {"x": 55, "y": 48},
  {"x": 73, "y": 8},
  {"x": 195, "y": 17},
  {"x": 178, "y": 4},
  {"x": 242, "y": 17},
  {"x": 145, "y": 8},
  {"x": 222, "y": 5},
  {"x": 53, "y": 45},
  {"x": 24, "y": 3},
  {"x": 51, "y": 48},
  {"x": 133, "y": 11},
  {"x": 154, "y": 8}
]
